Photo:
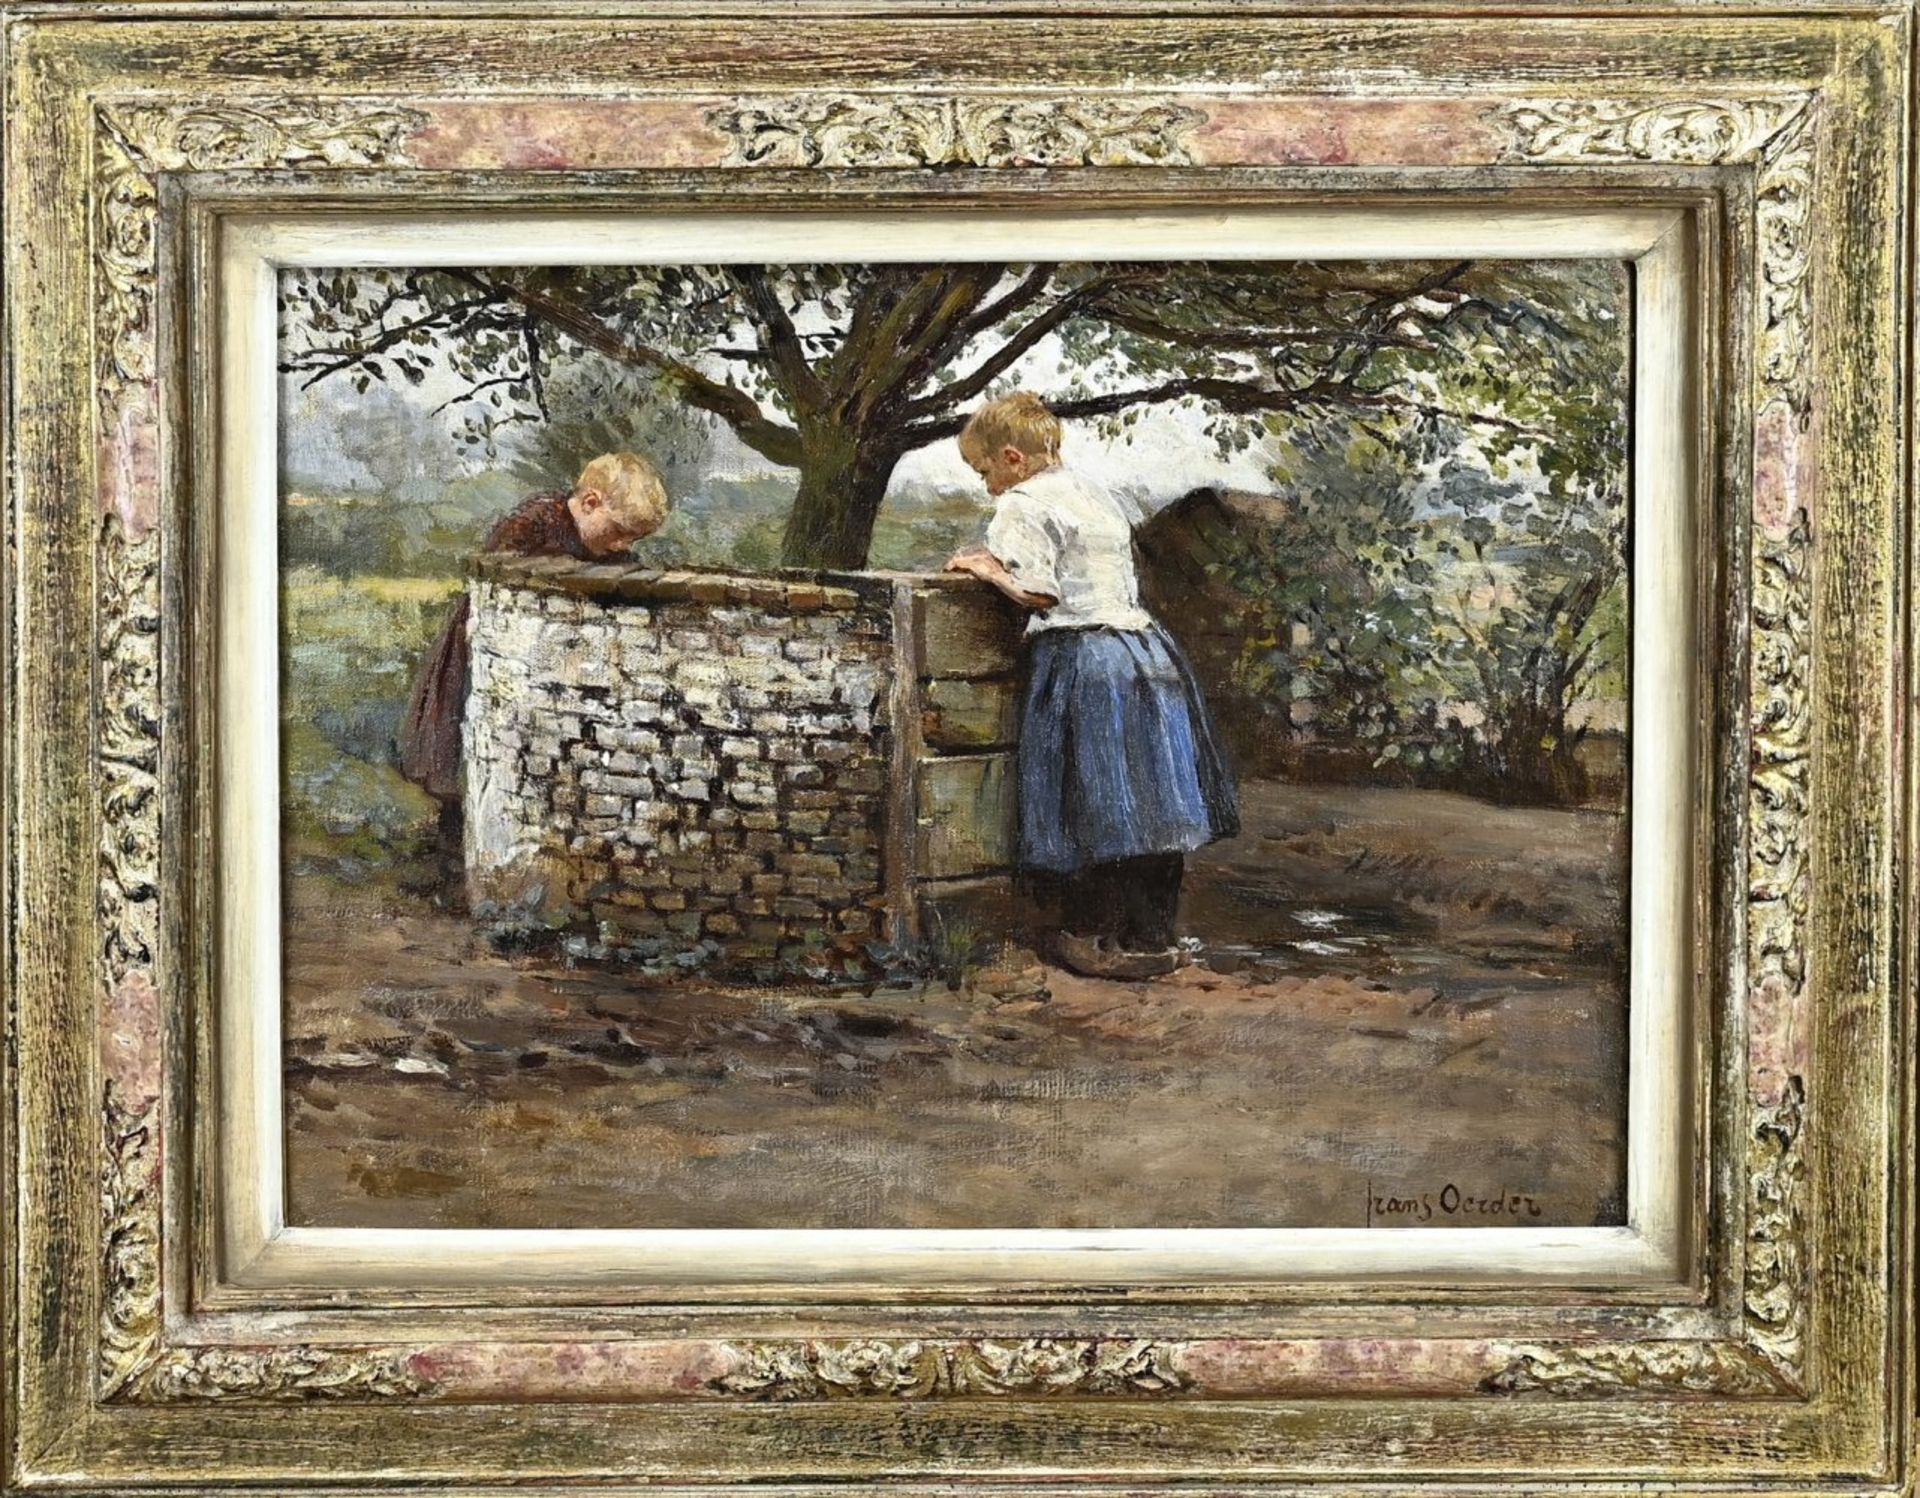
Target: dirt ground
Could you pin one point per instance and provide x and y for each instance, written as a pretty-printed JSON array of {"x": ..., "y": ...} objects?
[{"x": 1410, "y": 1011}]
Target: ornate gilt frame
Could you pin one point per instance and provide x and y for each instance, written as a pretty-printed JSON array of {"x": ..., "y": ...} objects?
[{"x": 1785, "y": 1358}]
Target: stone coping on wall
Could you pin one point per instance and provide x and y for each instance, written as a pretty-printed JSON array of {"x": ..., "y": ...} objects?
[{"x": 790, "y": 590}]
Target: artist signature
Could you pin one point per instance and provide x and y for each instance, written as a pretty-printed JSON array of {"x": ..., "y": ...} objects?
[{"x": 1451, "y": 1203}]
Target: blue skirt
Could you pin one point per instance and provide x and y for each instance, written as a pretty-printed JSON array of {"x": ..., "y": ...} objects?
[{"x": 1118, "y": 754}]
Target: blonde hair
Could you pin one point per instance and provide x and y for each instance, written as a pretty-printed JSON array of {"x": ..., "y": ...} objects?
[
  {"x": 1020, "y": 420},
  {"x": 632, "y": 488}
]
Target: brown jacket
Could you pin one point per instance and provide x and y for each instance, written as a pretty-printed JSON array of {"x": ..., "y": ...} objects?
[{"x": 541, "y": 526}]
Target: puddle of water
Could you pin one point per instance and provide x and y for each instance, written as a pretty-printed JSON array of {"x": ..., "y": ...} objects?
[
  {"x": 1249, "y": 925},
  {"x": 1246, "y": 925}
]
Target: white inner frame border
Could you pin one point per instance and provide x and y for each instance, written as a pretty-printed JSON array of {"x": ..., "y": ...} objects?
[{"x": 258, "y": 1249}]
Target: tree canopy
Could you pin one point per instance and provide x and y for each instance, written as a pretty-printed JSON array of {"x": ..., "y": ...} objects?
[{"x": 839, "y": 371}]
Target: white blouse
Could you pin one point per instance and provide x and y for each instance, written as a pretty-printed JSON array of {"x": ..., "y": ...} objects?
[{"x": 1060, "y": 534}]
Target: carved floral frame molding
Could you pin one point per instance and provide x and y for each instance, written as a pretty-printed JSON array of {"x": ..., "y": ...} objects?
[
  {"x": 1774, "y": 139},
  {"x": 135, "y": 141}
]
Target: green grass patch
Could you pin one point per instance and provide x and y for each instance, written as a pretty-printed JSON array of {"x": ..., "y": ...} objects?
[{"x": 350, "y": 648}]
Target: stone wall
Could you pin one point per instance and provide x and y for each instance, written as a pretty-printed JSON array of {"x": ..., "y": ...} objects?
[{"x": 770, "y": 772}]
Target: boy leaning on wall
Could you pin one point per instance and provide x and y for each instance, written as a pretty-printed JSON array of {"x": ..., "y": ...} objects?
[
  {"x": 1120, "y": 770},
  {"x": 618, "y": 498}
]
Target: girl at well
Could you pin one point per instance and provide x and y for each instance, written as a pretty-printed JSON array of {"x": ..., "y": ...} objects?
[{"x": 1120, "y": 768}]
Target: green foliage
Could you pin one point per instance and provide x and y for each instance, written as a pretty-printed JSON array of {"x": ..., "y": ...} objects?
[
  {"x": 1443, "y": 620},
  {"x": 1337, "y": 583},
  {"x": 590, "y": 408},
  {"x": 1537, "y": 623},
  {"x": 356, "y": 534},
  {"x": 347, "y": 813},
  {"x": 349, "y": 646},
  {"x": 722, "y": 523},
  {"x": 1608, "y": 628},
  {"x": 919, "y": 529},
  {"x": 1445, "y": 577},
  {"x": 390, "y": 444},
  {"x": 839, "y": 371}
]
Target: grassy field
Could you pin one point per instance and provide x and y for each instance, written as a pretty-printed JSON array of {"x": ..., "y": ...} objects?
[{"x": 350, "y": 647}]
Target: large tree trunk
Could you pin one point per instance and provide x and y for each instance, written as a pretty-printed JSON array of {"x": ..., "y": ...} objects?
[{"x": 843, "y": 478}]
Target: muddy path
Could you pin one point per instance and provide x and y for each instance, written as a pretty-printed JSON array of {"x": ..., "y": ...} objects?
[{"x": 1400, "y": 992}]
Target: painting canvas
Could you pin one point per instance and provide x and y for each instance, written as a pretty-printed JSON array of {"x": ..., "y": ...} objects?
[{"x": 956, "y": 745}]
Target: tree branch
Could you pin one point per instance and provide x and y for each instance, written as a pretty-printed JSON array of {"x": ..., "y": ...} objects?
[
  {"x": 472, "y": 390},
  {"x": 1253, "y": 341},
  {"x": 881, "y": 322},
  {"x": 784, "y": 352},
  {"x": 979, "y": 318},
  {"x": 1386, "y": 309},
  {"x": 730, "y": 403},
  {"x": 936, "y": 334},
  {"x": 1006, "y": 356},
  {"x": 530, "y": 331},
  {"x": 323, "y": 364},
  {"x": 1029, "y": 291},
  {"x": 1236, "y": 396},
  {"x": 895, "y": 337}
]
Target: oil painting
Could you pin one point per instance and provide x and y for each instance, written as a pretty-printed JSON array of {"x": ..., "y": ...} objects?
[{"x": 988, "y": 745}]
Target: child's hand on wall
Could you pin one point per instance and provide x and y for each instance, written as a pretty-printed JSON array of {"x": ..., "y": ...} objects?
[
  {"x": 984, "y": 565},
  {"x": 975, "y": 559}
]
